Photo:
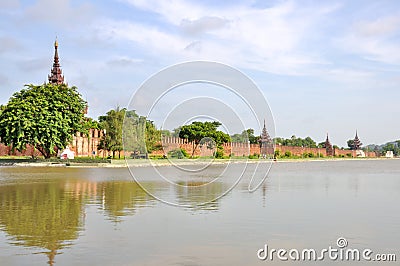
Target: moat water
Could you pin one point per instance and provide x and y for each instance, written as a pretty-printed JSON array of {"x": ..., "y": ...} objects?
[{"x": 99, "y": 216}]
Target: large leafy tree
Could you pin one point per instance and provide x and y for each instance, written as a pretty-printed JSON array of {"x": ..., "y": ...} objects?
[
  {"x": 134, "y": 132},
  {"x": 45, "y": 116},
  {"x": 112, "y": 123},
  {"x": 197, "y": 131},
  {"x": 125, "y": 127}
]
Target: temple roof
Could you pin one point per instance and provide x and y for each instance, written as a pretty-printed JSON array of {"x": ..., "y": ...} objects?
[
  {"x": 357, "y": 143},
  {"x": 56, "y": 76},
  {"x": 327, "y": 142},
  {"x": 265, "y": 137}
]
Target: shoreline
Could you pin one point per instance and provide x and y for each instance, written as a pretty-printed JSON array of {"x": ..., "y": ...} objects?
[{"x": 166, "y": 162}]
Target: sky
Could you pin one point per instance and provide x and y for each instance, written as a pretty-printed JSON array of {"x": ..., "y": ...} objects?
[{"x": 323, "y": 66}]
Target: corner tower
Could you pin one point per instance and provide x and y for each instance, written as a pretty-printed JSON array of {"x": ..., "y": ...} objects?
[
  {"x": 328, "y": 146},
  {"x": 357, "y": 143},
  {"x": 266, "y": 144}
]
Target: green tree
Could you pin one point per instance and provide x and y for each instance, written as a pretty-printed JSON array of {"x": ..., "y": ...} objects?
[
  {"x": 391, "y": 146},
  {"x": 175, "y": 132},
  {"x": 298, "y": 142},
  {"x": 134, "y": 132},
  {"x": 245, "y": 136},
  {"x": 153, "y": 137},
  {"x": 90, "y": 123},
  {"x": 45, "y": 116},
  {"x": 196, "y": 131},
  {"x": 165, "y": 133},
  {"x": 309, "y": 142},
  {"x": 350, "y": 144},
  {"x": 177, "y": 154},
  {"x": 126, "y": 130},
  {"x": 112, "y": 123},
  {"x": 321, "y": 144}
]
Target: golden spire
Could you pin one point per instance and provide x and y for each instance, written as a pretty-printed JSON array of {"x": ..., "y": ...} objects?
[{"x": 56, "y": 43}]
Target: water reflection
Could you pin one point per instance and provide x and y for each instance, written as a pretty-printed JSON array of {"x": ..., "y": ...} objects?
[
  {"x": 50, "y": 215},
  {"x": 121, "y": 198},
  {"x": 41, "y": 215},
  {"x": 52, "y": 210},
  {"x": 199, "y": 195}
]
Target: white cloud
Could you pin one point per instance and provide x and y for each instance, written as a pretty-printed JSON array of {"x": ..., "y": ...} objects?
[
  {"x": 173, "y": 11},
  {"x": 267, "y": 39},
  {"x": 201, "y": 25},
  {"x": 376, "y": 40},
  {"x": 124, "y": 61},
  {"x": 150, "y": 37},
  {"x": 380, "y": 27}
]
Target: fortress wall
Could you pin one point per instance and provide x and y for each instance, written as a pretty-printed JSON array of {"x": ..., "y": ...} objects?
[
  {"x": 299, "y": 151},
  {"x": 84, "y": 146},
  {"x": 81, "y": 145},
  {"x": 7, "y": 151}
]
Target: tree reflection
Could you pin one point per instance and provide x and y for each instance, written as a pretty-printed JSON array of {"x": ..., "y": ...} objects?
[
  {"x": 121, "y": 198},
  {"x": 41, "y": 215},
  {"x": 49, "y": 214},
  {"x": 198, "y": 195}
]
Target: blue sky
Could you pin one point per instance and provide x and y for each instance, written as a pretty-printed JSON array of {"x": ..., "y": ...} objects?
[{"x": 324, "y": 66}]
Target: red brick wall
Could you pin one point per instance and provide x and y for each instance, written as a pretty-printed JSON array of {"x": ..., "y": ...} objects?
[
  {"x": 29, "y": 151},
  {"x": 242, "y": 149},
  {"x": 299, "y": 151},
  {"x": 83, "y": 146}
]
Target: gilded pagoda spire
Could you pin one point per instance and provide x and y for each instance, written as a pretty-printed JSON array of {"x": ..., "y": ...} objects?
[{"x": 56, "y": 76}]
